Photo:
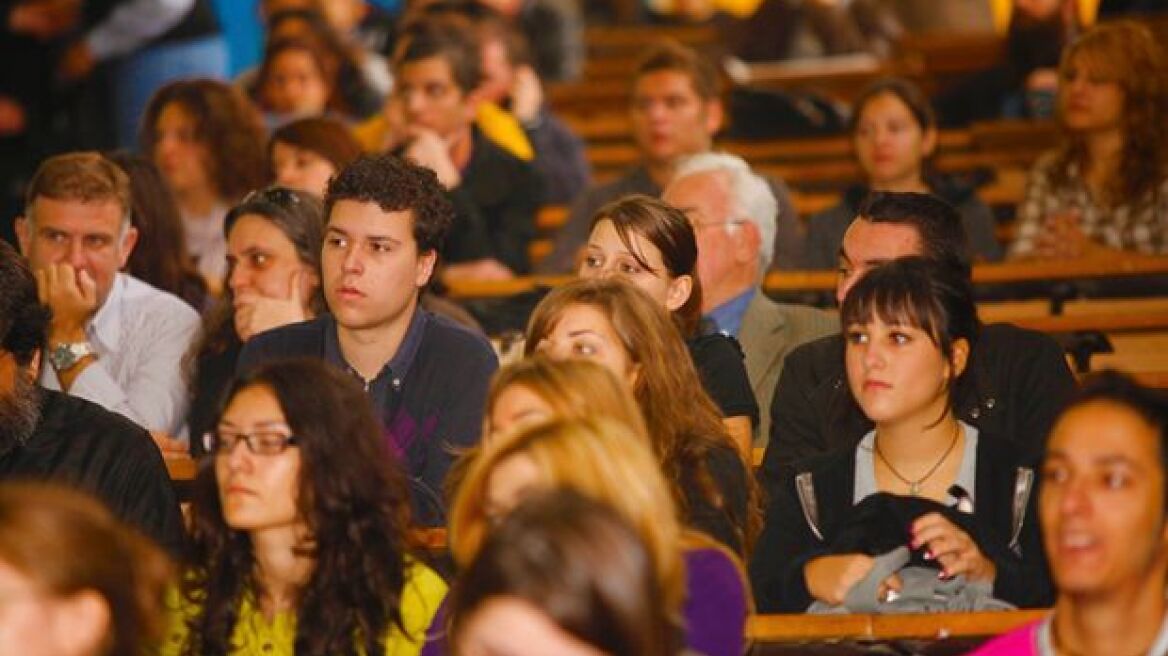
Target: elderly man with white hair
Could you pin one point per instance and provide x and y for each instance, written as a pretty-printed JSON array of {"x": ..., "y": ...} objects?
[{"x": 734, "y": 214}]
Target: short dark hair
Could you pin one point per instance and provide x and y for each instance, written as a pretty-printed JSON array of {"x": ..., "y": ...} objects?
[
  {"x": 1147, "y": 403},
  {"x": 577, "y": 561},
  {"x": 931, "y": 295},
  {"x": 448, "y": 37},
  {"x": 906, "y": 91},
  {"x": 23, "y": 319},
  {"x": 937, "y": 223},
  {"x": 396, "y": 185},
  {"x": 670, "y": 55}
]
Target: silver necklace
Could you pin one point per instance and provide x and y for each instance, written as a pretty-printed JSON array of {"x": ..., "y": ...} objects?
[{"x": 914, "y": 487}]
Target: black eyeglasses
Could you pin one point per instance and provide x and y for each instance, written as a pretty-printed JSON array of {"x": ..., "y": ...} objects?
[{"x": 261, "y": 442}]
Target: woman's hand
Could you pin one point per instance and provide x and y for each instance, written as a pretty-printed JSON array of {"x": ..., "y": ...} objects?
[
  {"x": 952, "y": 548},
  {"x": 255, "y": 313},
  {"x": 830, "y": 577}
]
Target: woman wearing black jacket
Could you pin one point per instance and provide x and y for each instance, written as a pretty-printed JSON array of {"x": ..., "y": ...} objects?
[{"x": 965, "y": 498}]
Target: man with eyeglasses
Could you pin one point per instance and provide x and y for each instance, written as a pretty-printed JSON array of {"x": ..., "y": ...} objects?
[
  {"x": 113, "y": 339},
  {"x": 48, "y": 435},
  {"x": 733, "y": 213},
  {"x": 386, "y": 219}
]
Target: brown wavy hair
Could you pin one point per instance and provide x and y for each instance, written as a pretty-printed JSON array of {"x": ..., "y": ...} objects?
[
  {"x": 1128, "y": 53},
  {"x": 352, "y": 495},
  {"x": 685, "y": 426},
  {"x": 226, "y": 123}
]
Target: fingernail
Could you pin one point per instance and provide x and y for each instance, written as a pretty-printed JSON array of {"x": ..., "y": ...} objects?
[{"x": 928, "y": 555}]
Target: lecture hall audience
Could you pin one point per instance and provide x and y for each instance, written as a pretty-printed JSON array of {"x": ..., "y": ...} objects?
[
  {"x": 46, "y": 435},
  {"x": 675, "y": 109},
  {"x": 274, "y": 239},
  {"x": 112, "y": 338},
  {"x": 611, "y": 465},
  {"x": 76, "y": 581},
  {"x": 598, "y": 490},
  {"x": 562, "y": 575},
  {"x": 1017, "y": 379}
]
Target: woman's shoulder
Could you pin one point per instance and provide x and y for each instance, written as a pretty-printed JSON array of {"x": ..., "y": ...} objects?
[
  {"x": 423, "y": 581},
  {"x": 421, "y": 598}
]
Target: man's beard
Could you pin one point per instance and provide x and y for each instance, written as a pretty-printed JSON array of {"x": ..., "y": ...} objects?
[{"x": 20, "y": 411}]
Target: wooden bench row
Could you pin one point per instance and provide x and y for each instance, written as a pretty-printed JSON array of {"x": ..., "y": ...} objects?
[{"x": 1131, "y": 265}]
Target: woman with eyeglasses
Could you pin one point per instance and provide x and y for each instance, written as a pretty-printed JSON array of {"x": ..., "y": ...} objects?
[
  {"x": 273, "y": 252},
  {"x": 299, "y": 527},
  {"x": 652, "y": 245}
]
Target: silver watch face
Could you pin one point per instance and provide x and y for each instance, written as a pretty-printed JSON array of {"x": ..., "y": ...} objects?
[{"x": 64, "y": 356}]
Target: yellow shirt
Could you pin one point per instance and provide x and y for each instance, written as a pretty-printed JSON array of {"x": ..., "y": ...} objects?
[
  {"x": 254, "y": 634},
  {"x": 496, "y": 124}
]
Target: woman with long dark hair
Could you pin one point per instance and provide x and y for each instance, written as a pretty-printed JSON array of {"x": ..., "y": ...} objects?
[{"x": 299, "y": 527}]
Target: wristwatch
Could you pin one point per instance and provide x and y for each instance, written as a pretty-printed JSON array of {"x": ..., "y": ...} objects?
[{"x": 65, "y": 355}]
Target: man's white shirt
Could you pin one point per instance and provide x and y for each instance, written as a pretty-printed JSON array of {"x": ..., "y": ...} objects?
[{"x": 140, "y": 336}]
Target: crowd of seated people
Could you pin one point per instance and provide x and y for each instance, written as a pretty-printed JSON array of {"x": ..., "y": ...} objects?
[{"x": 260, "y": 294}]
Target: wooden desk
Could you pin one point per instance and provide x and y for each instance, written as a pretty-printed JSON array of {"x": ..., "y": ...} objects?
[
  {"x": 181, "y": 468},
  {"x": 929, "y": 626}
]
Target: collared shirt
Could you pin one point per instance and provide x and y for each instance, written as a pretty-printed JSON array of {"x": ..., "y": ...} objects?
[
  {"x": 429, "y": 397},
  {"x": 728, "y": 316},
  {"x": 385, "y": 389},
  {"x": 140, "y": 335}
]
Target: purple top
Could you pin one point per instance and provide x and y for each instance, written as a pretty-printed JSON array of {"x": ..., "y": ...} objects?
[{"x": 715, "y": 608}]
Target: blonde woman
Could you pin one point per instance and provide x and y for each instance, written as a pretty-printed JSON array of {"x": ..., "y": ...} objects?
[{"x": 607, "y": 460}]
